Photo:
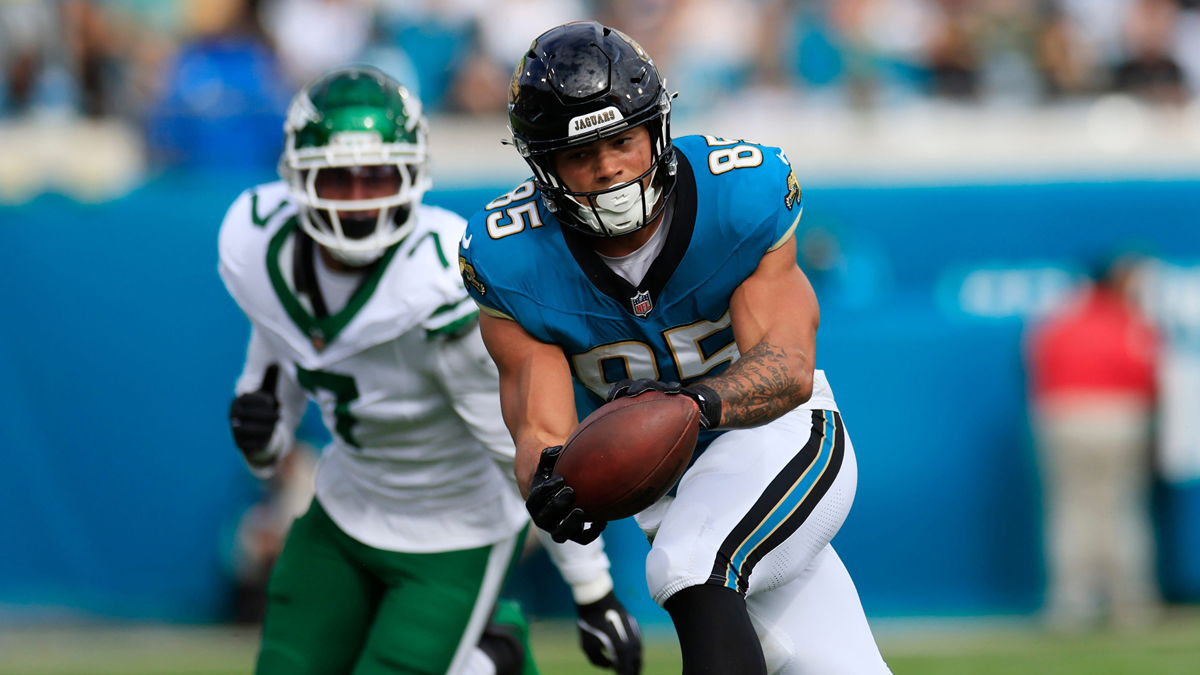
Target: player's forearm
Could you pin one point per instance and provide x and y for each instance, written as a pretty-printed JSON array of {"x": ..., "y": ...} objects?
[
  {"x": 530, "y": 444},
  {"x": 538, "y": 417},
  {"x": 536, "y": 395},
  {"x": 768, "y": 381}
]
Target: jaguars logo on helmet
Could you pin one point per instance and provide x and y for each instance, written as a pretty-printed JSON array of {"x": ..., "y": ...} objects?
[{"x": 356, "y": 118}]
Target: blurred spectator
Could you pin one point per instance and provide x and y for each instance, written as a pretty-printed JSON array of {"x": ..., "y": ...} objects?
[
  {"x": 87, "y": 45},
  {"x": 887, "y": 46},
  {"x": 434, "y": 36},
  {"x": 224, "y": 98},
  {"x": 504, "y": 30},
  {"x": 653, "y": 23},
  {"x": 36, "y": 68},
  {"x": 711, "y": 49},
  {"x": 313, "y": 36},
  {"x": 1092, "y": 376},
  {"x": 1100, "y": 26},
  {"x": 1150, "y": 70},
  {"x": 206, "y": 81},
  {"x": 954, "y": 52},
  {"x": 1066, "y": 63},
  {"x": 1187, "y": 44},
  {"x": 1008, "y": 46}
]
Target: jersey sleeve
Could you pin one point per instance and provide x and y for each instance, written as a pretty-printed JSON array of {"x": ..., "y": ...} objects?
[
  {"x": 791, "y": 206},
  {"x": 245, "y": 230},
  {"x": 470, "y": 379},
  {"x": 583, "y": 566},
  {"x": 259, "y": 357},
  {"x": 474, "y": 270},
  {"x": 753, "y": 187},
  {"x": 773, "y": 193},
  {"x": 229, "y": 249},
  {"x": 456, "y": 317}
]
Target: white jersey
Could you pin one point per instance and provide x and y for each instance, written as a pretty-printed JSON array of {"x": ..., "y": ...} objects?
[{"x": 420, "y": 459}]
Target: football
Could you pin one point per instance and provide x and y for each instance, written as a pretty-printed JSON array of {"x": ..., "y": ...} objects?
[{"x": 629, "y": 453}]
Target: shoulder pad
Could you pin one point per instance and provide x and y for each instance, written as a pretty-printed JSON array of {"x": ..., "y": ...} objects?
[
  {"x": 489, "y": 242},
  {"x": 756, "y": 181},
  {"x": 444, "y": 229},
  {"x": 253, "y": 217}
]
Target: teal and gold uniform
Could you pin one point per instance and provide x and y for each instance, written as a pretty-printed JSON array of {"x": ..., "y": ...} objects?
[
  {"x": 757, "y": 508},
  {"x": 734, "y": 202}
]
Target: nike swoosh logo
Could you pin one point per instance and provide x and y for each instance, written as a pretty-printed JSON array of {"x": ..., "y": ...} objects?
[
  {"x": 615, "y": 619},
  {"x": 467, "y": 241}
]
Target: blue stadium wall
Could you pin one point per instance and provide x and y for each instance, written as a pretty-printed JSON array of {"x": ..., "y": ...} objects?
[{"x": 119, "y": 346}]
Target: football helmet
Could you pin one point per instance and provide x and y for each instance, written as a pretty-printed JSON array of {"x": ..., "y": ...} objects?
[
  {"x": 352, "y": 122},
  {"x": 578, "y": 83}
]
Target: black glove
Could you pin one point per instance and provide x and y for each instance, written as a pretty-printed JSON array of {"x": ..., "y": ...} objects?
[
  {"x": 550, "y": 501},
  {"x": 705, "y": 397},
  {"x": 610, "y": 636},
  {"x": 253, "y": 416}
]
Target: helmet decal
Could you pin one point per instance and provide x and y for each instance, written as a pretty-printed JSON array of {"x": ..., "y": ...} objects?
[
  {"x": 300, "y": 113},
  {"x": 597, "y": 120}
]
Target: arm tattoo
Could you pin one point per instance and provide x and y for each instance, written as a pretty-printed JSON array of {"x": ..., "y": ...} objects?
[{"x": 759, "y": 387}]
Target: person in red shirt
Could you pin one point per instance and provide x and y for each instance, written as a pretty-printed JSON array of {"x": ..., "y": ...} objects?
[{"x": 1092, "y": 378}]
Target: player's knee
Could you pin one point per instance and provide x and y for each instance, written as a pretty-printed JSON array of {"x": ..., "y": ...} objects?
[
  {"x": 674, "y": 562},
  {"x": 715, "y": 633}
]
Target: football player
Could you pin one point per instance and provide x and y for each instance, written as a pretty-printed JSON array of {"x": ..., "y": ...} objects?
[
  {"x": 634, "y": 262},
  {"x": 353, "y": 302}
]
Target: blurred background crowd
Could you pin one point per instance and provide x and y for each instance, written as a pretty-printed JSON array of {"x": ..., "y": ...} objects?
[{"x": 207, "y": 81}]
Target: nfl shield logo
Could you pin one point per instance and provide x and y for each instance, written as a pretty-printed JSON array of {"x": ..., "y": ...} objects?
[{"x": 642, "y": 304}]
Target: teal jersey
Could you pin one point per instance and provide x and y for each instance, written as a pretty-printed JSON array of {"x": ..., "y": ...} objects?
[{"x": 734, "y": 202}]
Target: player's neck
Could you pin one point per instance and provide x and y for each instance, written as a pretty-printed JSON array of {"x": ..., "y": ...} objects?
[{"x": 617, "y": 247}]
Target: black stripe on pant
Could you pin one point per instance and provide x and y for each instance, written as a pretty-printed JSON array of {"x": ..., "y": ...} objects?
[{"x": 774, "y": 494}]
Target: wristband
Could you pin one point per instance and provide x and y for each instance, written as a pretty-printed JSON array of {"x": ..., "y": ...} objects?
[{"x": 709, "y": 402}]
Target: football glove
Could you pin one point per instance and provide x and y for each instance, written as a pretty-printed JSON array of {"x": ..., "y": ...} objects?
[
  {"x": 609, "y": 635},
  {"x": 550, "y": 504},
  {"x": 707, "y": 399},
  {"x": 253, "y": 416}
]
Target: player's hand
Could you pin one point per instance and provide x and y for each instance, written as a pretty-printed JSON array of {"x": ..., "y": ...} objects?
[
  {"x": 550, "y": 504},
  {"x": 610, "y": 636},
  {"x": 253, "y": 416},
  {"x": 705, "y": 397}
]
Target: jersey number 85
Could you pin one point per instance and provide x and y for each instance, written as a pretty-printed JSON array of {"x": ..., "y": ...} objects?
[{"x": 695, "y": 348}]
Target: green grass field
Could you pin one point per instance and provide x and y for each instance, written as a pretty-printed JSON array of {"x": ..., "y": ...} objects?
[{"x": 918, "y": 647}]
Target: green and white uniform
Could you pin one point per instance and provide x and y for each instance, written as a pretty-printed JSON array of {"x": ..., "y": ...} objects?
[{"x": 415, "y": 500}]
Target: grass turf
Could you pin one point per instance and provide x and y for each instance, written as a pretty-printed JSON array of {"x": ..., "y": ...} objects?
[{"x": 931, "y": 648}]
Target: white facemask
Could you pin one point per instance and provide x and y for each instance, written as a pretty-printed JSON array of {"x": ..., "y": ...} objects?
[{"x": 621, "y": 211}]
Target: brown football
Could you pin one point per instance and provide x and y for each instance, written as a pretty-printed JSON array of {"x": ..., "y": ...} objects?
[{"x": 629, "y": 453}]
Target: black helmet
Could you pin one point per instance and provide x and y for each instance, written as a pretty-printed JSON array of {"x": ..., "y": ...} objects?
[{"x": 578, "y": 83}]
